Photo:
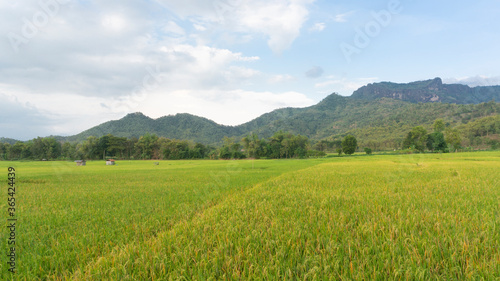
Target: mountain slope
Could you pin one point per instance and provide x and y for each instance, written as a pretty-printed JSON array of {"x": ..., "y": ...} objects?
[
  {"x": 428, "y": 91},
  {"x": 384, "y": 121},
  {"x": 179, "y": 126},
  {"x": 380, "y": 112}
]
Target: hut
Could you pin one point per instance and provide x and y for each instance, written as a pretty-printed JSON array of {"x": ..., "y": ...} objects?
[
  {"x": 81, "y": 162},
  {"x": 110, "y": 162}
]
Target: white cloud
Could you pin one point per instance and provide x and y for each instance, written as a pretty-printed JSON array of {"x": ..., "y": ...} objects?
[
  {"x": 174, "y": 28},
  {"x": 343, "y": 86},
  {"x": 318, "y": 27},
  {"x": 276, "y": 79},
  {"x": 199, "y": 27},
  {"x": 231, "y": 107},
  {"x": 96, "y": 61},
  {"x": 281, "y": 21},
  {"x": 340, "y": 18},
  {"x": 114, "y": 22},
  {"x": 474, "y": 81}
]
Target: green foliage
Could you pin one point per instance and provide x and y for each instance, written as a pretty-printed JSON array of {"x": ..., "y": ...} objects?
[
  {"x": 379, "y": 124},
  {"x": 231, "y": 149},
  {"x": 436, "y": 142},
  {"x": 147, "y": 146},
  {"x": 439, "y": 125},
  {"x": 286, "y": 145},
  {"x": 416, "y": 138},
  {"x": 453, "y": 139},
  {"x": 315, "y": 153},
  {"x": 254, "y": 147},
  {"x": 349, "y": 144},
  {"x": 368, "y": 150},
  {"x": 495, "y": 144}
]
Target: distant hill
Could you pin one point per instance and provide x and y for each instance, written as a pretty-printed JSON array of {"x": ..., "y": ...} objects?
[
  {"x": 179, "y": 126},
  {"x": 7, "y": 140},
  {"x": 383, "y": 120},
  {"x": 428, "y": 91},
  {"x": 379, "y": 113}
]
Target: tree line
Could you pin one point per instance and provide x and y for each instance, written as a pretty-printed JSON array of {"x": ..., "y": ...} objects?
[
  {"x": 151, "y": 146},
  {"x": 441, "y": 138}
]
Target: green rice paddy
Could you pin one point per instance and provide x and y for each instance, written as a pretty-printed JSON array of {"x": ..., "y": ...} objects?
[{"x": 400, "y": 217}]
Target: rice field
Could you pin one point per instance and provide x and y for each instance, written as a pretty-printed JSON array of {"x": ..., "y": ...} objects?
[{"x": 401, "y": 217}]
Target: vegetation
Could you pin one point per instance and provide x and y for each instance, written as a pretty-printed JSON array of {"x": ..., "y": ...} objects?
[
  {"x": 380, "y": 124},
  {"x": 400, "y": 217},
  {"x": 349, "y": 145},
  {"x": 429, "y": 91},
  {"x": 416, "y": 138},
  {"x": 150, "y": 146},
  {"x": 483, "y": 132}
]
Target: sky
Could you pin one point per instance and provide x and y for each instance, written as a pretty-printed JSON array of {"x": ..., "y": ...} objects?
[{"x": 69, "y": 65}]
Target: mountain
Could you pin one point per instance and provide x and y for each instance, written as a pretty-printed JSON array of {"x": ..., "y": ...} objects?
[
  {"x": 7, "y": 140},
  {"x": 384, "y": 121},
  {"x": 428, "y": 91},
  {"x": 379, "y": 113},
  {"x": 179, "y": 126}
]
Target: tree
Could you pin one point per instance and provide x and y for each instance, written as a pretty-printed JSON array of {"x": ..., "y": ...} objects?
[
  {"x": 103, "y": 145},
  {"x": 130, "y": 147},
  {"x": 37, "y": 149},
  {"x": 199, "y": 151},
  {"x": 147, "y": 146},
  {"x": 6, "y": 150},
  {"x": 453, "y": 139},
  {"x": 368, "y": 150},
  {"x": 417, "y": 138},
  {"x": 252, "y": 146},
  {"x": 3, "y": 151},
  {"x": 52, "y": 148},
  {"x": 439, "y": 125},
  {"x": 436, "y": 142},
  {"x": 231, "y": 149},
  {"x": 68, "y": 150},
  {"x": 116, "y": 145},
  {"x": 17, "y": 151},
  {"x": 89, "y": 148},
  {"x": 349, "y": 145}
]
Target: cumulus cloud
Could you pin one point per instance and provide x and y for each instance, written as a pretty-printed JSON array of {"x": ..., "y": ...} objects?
[
  {"x": 92, "y": 61},
  {"x": 279, "y": 20}
]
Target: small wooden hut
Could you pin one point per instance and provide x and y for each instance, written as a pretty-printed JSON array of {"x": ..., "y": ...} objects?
[
  {"x": 81, "y": 162},
  {"x": 110, "y": 162}
]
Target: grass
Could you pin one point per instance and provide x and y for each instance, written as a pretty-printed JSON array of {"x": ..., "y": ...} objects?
[{"x": 417, "y": 217}]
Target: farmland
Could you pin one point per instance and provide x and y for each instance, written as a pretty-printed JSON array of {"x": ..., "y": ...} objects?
[{"x": 397, "y": 217}]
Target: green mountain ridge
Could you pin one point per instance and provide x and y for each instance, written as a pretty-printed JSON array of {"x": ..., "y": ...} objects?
[
  {"x": 371, "y": 114},
  {"x": 428, "y": 91}
]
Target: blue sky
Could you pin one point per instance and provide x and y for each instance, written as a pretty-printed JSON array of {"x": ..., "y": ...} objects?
[{"x": 68, "y": 65}]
